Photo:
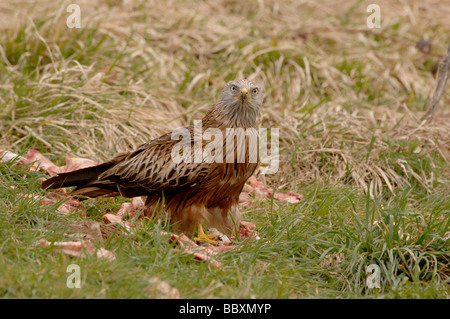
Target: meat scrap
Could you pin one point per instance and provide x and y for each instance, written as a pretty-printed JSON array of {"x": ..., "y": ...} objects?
[
  {"x": 42, "y": 163},
  {"x": 78, "y": 249},
  {"x": 111, "y": 218},
  {"x": 136, "y": 204},
  {"x": 160, "y": 289},
  {"x": 260, "y": 190},
  {"x": 191, "y": 248},
  {"x": 7, "y": 156}
]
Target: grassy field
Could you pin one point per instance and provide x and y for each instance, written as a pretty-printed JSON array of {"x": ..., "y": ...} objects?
[{"x": 348, "y": 101}]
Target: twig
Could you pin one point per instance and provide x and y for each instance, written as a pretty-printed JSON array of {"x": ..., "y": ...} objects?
[
  {"x": 444, "y": 67},
  {"x": 384, "y": 35}
]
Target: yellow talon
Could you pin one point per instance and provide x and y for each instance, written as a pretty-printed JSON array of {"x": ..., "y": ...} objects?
[{"x": 202, "y": 237}]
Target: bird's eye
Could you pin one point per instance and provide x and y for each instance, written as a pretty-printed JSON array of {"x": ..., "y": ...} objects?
[
  {"x": 233, "y": 88},
  {"x": 255, "y": 91}
]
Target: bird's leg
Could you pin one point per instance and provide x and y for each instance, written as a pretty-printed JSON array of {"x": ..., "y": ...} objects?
[{"x": 201, "y": 236}]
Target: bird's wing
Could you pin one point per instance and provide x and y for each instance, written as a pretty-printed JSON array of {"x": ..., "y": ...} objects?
[{"x": 153, "y": 166}]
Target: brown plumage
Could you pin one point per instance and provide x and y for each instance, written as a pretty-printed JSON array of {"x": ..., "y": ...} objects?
[{"x": 193, "y": 192}]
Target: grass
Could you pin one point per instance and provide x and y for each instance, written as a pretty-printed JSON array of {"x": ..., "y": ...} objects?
[
  {"x": 347, "y": 100},
  {"x": 318, "y": 248}
]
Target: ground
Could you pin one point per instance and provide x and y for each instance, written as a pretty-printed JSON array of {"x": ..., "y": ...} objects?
[{"x": 348, "y": 101}]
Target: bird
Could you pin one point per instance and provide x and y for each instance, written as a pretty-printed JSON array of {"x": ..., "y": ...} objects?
[{"x": 199, "y": 188}]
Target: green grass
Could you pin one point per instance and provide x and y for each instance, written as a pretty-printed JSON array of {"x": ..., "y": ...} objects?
[
  {"x": 375, "y": 180},
  {"x": 320, "y": 248}
]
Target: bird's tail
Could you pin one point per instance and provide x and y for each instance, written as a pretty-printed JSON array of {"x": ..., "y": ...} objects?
[{"x": 85, "y": 180}]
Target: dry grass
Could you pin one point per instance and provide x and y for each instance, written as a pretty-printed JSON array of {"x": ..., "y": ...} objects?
[
  {"x": 347, "y": 100},
  {"x": 343, "y": 96}
]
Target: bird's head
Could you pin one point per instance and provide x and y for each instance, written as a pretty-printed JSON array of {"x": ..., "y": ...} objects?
[{"x": 241, "y": 100}]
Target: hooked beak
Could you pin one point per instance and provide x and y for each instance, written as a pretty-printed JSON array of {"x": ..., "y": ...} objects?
[{"x": 243, "y": 95}]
